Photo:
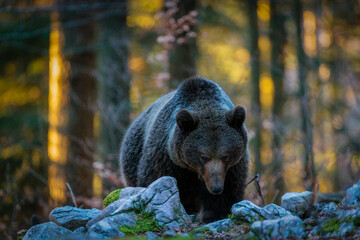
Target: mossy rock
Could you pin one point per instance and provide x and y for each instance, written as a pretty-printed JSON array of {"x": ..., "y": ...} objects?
[
  {"x": 333, "y": 224},
  {"x": 112, "y": 197}
]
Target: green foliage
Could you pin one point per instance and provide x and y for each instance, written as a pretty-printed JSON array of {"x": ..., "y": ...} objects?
[
  {"x": 112, "y": 197},
  {"x": 201, "y": 229},
  {"x": 330, "y": 226},
  {"x": 354, "y": 220},
  {"x": 144, "y": 223},
  {"x": 333, "y": 224}
]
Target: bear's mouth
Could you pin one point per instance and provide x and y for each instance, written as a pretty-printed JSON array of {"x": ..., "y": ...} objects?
[{"x": 215, "y": 191}]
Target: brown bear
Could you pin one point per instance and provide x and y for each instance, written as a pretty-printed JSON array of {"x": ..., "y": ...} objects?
[{"x": 196, "y": 135}]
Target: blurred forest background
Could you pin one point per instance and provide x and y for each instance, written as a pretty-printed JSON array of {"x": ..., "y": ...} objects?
[{"x": 73, "y": 74}]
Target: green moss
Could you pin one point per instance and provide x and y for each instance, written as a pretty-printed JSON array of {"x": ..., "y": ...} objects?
[
  {"x": 354, "y": 220},
  {"x": 333, "y": 224},
  {"x": 330, "y": 226},
  {"x": 144, "y": 223},
  {"x": 112, "y": 197},
  {"x": 201, "y": 229}
]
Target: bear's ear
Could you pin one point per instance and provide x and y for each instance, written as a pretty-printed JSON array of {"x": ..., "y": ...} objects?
[
  {"x": 236, "y": 117},
  {"x": 186, "y": 121}
]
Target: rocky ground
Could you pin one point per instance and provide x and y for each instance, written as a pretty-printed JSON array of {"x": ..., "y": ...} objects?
[{"x": 156, "y": 212}]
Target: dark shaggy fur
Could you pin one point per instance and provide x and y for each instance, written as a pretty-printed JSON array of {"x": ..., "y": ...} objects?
[{"x": 186, "y": 134}]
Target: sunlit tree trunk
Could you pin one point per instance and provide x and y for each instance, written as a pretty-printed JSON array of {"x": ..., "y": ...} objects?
[
  {"x": 306, "y": 124},
  {"x": 278, "y": 41},
  {"x": 58, "y": 115},
  {"x": 79, "y": 40},
  {"x": 114, "y": 84},
  {"x": 255, "y": 76},
  {"x": 182, "y": 57}
]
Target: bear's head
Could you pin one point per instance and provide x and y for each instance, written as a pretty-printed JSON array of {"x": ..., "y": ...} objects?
[{"x": 209, "y": 143}]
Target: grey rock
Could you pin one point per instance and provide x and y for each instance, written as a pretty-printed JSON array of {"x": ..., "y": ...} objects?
[
  {"x": 273, "y": 211},
  {"x": 315, "y": 231},
  {"x": 296, "y": 203},
  {"x": 130, "y": 191},
  {"x": 285, "y": 227},
  {"x": 76, "y": 236},
  {"x": 162, "y": 199},
  {"x": 108, "y": 226},
  {"x": 151, "y": 235},
  {"x": 353, "y": 213},
  {"x": 119, "y": 206},
  {"x": 71, "y": 217},
  {"x": 329, "y": 210},
  {"x": 169, "y": 233},
  {"x": 352, "y": 195},
  {"x": 46, "y": 231},
  {"x": 221, "y": 225},
  {"x": 344, "y": 228},
  {"x": 330, "y": 207},
  {"x": 80, "y": 230},
  {"x": 246, "y": 211}
]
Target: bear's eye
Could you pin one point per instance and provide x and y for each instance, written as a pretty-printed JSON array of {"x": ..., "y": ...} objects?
[
  {"x": 225, "y": 158},
  {"x": 205, "y": 158}
]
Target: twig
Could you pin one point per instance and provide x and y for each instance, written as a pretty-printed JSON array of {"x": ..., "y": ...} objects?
[
  {"x": 258, "y": 188},
  {"x": 275, "y": 196},
  {"x": 72, "y": 194},
  {"x": 256, "y": 176}
]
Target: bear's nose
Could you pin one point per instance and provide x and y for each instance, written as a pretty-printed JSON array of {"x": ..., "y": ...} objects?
[{"x": 217, "y": 190}]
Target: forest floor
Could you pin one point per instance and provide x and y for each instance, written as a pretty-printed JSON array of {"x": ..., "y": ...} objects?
[{"x": 156, "y": 212}]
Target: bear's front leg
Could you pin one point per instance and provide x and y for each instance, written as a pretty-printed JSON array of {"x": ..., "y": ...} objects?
[{"x": 213, "y": 207}]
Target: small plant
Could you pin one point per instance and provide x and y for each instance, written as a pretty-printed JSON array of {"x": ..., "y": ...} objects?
[
  {"x": 330, "y": 226},
  {"x": 144, "y": 223}
]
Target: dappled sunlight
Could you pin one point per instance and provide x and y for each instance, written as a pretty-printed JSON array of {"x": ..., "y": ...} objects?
[
  {"x": 324, "y": 72},
  {"x": 325, "y": 38},
  {"x": 141, "y": 13},
  {"x": 266, "y": 91},
  {"x": 230, "y": 9},
  {"x": 227, "y": 61},
  {"x": 309, "y": 33},
  {"x": 263, "y": 10},
  {"x": 15, "y": 95}
]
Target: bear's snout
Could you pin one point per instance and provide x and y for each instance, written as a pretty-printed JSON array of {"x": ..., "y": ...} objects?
[{"x": 214, "y": 176}]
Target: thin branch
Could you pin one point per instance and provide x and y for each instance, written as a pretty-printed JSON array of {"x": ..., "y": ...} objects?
[
  {"x": 72, "y": 194},
  {"x": 256, "y": 178}
]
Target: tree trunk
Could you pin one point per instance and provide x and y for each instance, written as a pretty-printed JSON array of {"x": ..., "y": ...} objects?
[
  {"x": 255, "y": 76},
  {"x": 113, "y": 85},
  {"x": 58, "y": 115},
  {"x": 82, "y": 93},
  {"x": 342, "y": 178},
  {"x": 182, "y": 57},
  {"x": 278, "y": 41},
  {"x": 306, "y": 125}
]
